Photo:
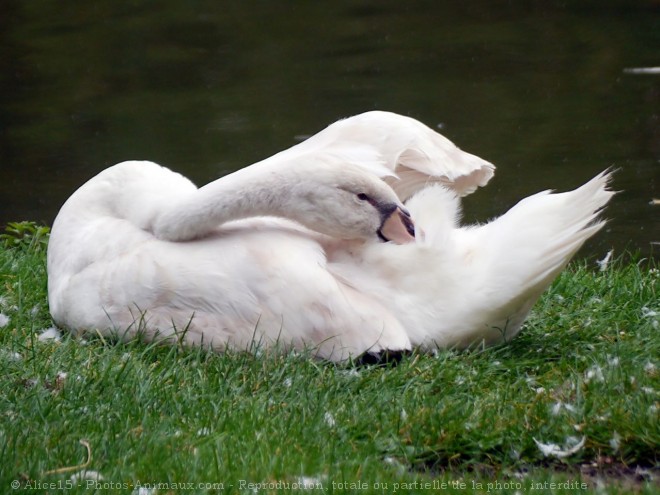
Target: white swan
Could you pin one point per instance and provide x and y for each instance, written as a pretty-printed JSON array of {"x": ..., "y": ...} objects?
[{"x": 113, "y": 268}]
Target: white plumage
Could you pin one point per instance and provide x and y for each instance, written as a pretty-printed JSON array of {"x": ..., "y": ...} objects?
[{"x": 262, "y": 280}]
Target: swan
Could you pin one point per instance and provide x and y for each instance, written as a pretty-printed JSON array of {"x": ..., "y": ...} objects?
[{"x": 289, "y": 252}]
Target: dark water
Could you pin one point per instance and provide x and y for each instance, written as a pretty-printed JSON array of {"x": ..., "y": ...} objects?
[{"x": 206, "y": 87}]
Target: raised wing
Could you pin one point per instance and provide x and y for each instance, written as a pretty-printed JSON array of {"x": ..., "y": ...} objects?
[{"x": 407, "y": 154}]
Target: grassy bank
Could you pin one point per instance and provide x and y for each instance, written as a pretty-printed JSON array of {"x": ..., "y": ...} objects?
[{"x": 583, "y": 375}]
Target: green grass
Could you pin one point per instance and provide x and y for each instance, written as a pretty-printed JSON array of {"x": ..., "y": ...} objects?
[{"x": 586, "y": 366}]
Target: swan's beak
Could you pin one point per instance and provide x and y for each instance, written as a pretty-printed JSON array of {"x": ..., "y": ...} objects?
[{"x": 397, "y": 227}]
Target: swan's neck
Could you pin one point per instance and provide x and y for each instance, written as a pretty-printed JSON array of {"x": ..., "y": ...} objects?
[{"x": 250, "y": 192}]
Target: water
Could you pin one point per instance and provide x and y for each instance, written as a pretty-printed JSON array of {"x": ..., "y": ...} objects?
[{"x": 206, "y": 88}]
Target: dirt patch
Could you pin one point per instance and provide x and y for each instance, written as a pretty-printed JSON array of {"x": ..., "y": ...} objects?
[{"x": 604, "y": 472}]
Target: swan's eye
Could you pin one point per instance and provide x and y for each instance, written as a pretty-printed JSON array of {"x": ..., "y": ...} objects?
[{"x": 363, "y": 197}]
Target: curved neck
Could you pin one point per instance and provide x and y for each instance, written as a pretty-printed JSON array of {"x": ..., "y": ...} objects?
[
  {"x": 249, "y": 192},
  {"x": 277, "y": 186}
]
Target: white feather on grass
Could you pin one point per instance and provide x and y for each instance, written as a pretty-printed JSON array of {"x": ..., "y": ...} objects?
[
  {"x": 51, "y": 333},
  {"x": 553, "y": 450}
]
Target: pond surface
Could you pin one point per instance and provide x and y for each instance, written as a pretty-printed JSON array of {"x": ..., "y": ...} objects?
[{"x": 208, "y": 87}]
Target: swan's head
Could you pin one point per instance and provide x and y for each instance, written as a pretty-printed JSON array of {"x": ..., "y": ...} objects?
[{"x": 345, "y": 202}]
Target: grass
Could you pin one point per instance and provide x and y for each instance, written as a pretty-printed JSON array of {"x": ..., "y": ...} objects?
[{"x": 584, "y": 368}]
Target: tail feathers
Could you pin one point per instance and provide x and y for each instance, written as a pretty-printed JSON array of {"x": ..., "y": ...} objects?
[
  {"x": 513, "y": 259},
  {"x": 543, "y": 232}
]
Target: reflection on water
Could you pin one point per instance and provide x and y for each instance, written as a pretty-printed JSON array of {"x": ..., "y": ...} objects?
[{"x": 207, "y": 88}]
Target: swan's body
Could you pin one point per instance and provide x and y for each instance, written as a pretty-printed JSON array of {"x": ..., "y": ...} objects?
[
  {"x": 271, "y": 280},
  {"x": 457, "y": 287}
]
